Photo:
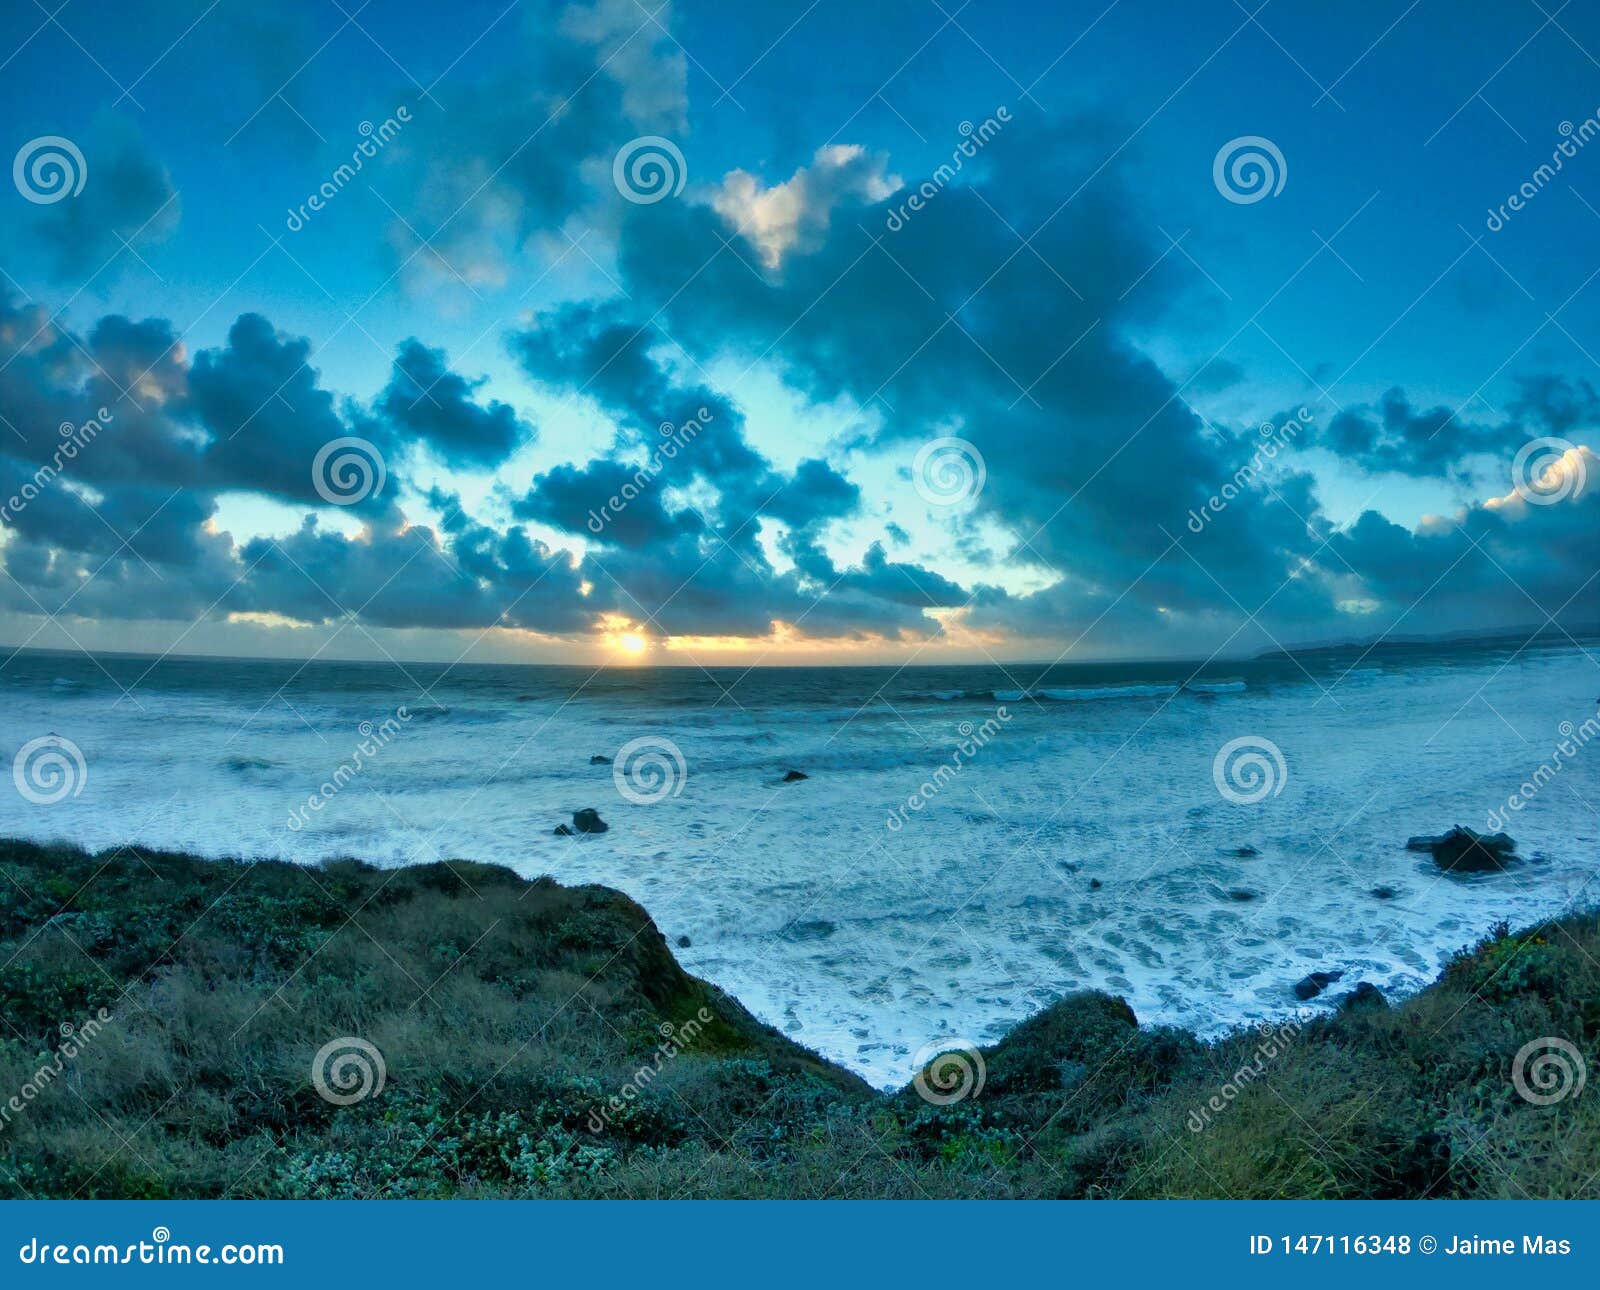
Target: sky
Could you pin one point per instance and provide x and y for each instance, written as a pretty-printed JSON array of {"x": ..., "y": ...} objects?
[{"x": 796, "y": 332}]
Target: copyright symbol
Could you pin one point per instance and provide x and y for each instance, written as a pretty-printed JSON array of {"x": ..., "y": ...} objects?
[{"x": 1427, "y": 1245}]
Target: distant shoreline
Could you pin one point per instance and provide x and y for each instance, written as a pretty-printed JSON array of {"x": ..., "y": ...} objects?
[{"x": 1523, "y": 635}]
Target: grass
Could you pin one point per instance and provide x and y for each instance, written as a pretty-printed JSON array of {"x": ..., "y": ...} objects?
[{"x": 520, "y": 1026}]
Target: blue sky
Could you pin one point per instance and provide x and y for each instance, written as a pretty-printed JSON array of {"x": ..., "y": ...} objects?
[{"x": 489, "y": 235}]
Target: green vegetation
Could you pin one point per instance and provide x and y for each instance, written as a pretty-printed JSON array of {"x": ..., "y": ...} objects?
[{"x": 521, "y": 1028}]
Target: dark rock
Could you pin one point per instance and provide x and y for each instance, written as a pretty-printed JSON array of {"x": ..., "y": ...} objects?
[
  {"x": 1466, "y": 850},
  {"x": 1094, "y": 884},
  {"x": 1309, "y": 987},
  {"x": 1243, "y": 853},
  {"x": 1241, "y": 894},
  {"x": 599, "y": 759},
  {"x": 795, "y": 776},
  {"x": 1365, "y": 995},
  {"x": 588, "y": 821},
  {"x": 683, "y": 942},
  {"x": 1384, "y": 893},
  {"x": 564, "y": 831},
  {"x": 1055, "y": 1048}
]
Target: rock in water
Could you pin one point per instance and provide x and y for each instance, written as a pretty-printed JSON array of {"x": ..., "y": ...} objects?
[
  {"x": 683, "y": 942},
  {"x": 1466, "y": 850},
  {"x": 1243, "y": 853},
  {"x": 599, "y": 760},
  {"x": 588, "y": 821},
  {"x": 564, "y": 831},
  {"x": 795, "y": 776},
  {"x": 1309, "y": 987}
]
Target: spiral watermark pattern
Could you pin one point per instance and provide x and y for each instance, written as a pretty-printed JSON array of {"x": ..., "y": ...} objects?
[
  {"x": 648, "y": 169},
  {"x": 649, "y": 769},
  {"x": 1546, "y": 471},
  {"x": 49, "y": 168},
  {"x": 948, "y": 471},
  {"x": 348, "y": 470},
  {"x": 1548, "y": 1070},
  {"x": 948, "y": 1071},
  {"x": 1249, "y": 769},
  {"x": 348, "y": 1070},
  {"x": 49, "y": 769},
  {"x": 1249, "y": 168}
]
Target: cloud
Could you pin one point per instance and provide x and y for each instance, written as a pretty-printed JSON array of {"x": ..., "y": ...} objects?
[
  {"x": 259, "y": 400},
  {"x": 511, "y": 156},
  {"x": 795, "y": 215},
  {"x": 1397, "y": 437},
  {"x": 127, "y": 199},
  {"x": 1502, "y": 561},
  {"x": 426, "y": 400}
]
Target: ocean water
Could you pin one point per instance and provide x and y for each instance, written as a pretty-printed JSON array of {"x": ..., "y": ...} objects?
[{"x": 969, "y": 843}]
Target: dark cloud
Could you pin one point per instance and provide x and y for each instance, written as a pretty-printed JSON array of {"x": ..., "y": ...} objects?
[
  {"x": 675, "y": 513},
  {"x": 259, "y": 400},
  {"x": 512, "y": 155},
  {"x": 1505, "y": 559},
  {"x": 126, "y": 198},
  {"x": 426, "y": 400},
  {"x": 1395, "y": 436}
]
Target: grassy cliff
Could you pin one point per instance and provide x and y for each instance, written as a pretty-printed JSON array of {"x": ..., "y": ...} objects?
[{"x": 163, "y": 1016}]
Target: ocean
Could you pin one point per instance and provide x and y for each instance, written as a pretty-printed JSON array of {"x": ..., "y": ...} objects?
[{"x": 968, "y": 843}]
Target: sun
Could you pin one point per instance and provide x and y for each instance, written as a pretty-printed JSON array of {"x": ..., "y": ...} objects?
[{"x": 632, "y": 643}]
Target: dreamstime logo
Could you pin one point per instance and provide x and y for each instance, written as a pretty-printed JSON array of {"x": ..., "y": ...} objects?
[
  {"x": 1274, "y": 439},
  {"x": 348, "y": 470},
  {"x": 648, "y": 169},
  {"x": 1572, "y": 139},
  {"x": 49, "y": 168},
  {"x": 973, "y": 740},
  {"x": 373, "y": 138},
  {"x": 1547, "y": 471},
  {"x": 1249, "y": 769},
  {"x": 1249, "y": 168},
  {"x": 1275, "y": 1039},
  {"x": 374, "y": 739},
  {"x": 49, "y": 769},
  {"x": 649, "y": 769},
  {"x": 948, "y": 1071},
  {"x": 348, "y": 1070},
  {"x": 74, "y": 439},
  {"x": 674, "y": 1039},
  {"x": 1574, "y": 739},
  {"x": 74, "y": 1039},
  {"x": 973, "y": 138},
  {"x": 674, "y": 439},
  {"x": 948, "y": 472},
  {"x": 1548, "y": 1070}
]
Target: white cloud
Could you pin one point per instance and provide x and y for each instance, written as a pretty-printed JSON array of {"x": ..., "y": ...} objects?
[{"x": 794, "y": 215}]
